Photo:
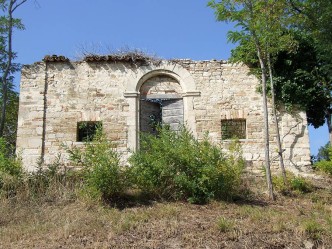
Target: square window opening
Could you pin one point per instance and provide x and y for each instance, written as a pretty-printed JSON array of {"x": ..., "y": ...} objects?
[
  {"x": 233, "y": 128},
  {"x": 86, "y": 130}
]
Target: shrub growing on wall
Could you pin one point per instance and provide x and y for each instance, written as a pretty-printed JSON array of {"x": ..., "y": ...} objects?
[{"x": 175, "y": 165}]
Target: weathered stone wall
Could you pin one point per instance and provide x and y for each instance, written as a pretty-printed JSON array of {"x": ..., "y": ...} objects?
[
  {"x": 31, "y": 114},
  {"x": 228, "y": 91},
  {"x": 55, "y": 96}
]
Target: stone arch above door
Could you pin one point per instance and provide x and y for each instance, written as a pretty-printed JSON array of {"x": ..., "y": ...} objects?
[
  {"x": 140, "y": 75},
  {"x": 170, "y": 69},
  {"x": 160, "y": 86},
  {"x": 160, "y": 102}
]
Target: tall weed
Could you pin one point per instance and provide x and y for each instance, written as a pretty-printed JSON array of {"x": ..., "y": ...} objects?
[{"x": 52, "y": 183}]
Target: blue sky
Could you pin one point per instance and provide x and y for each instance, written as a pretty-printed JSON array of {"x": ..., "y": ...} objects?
[{"x": 167, "y": 28}]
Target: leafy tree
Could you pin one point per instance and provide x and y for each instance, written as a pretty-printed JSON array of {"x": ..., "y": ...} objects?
[
  {"x": 7, "y": 66},
  {"x": 300, "y": 81},
  {"x": 298, "y": 77},
  {"x": 300, "y": 59},
  {"x": 314, "y": 18},
  {"x": 261, "y": 24}
]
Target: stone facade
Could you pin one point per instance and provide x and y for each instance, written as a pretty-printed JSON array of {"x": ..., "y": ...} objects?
[{"x": 56, "y": 96}]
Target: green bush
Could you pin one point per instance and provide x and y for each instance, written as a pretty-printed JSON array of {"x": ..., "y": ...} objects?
[
  {"x": 10, "y": 169},
  {"x": 324, "y": 166},
  {"x": 8, "y": 163},
  {"x": 103, "y": 176},
  {"x": 175, "y": 165},
  {"x": 300, "y": 184},
  {"x": 294, "y": 183}
]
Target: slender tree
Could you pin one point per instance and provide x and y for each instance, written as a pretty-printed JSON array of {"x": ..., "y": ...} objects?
[
  {"x": 10, "y": 130},
  {"x": 261, "y": 24},
  {"x": 276, "y": 121},
  {"x": 7, "y": 67},
  {"x": 277, "y": 38}
]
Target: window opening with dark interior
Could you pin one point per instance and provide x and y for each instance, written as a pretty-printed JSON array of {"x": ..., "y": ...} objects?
[
  {"x": 233, "y": 128},
  {"x": 86, "y": 130}
]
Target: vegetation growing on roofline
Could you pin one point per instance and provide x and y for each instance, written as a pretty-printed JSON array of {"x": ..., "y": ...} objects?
[
  {"x": 135, "y": 56},
  {"x": 55, "y": 58}
]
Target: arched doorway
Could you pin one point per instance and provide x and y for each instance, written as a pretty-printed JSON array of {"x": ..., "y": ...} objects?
[{"x": 161, "y": 102}]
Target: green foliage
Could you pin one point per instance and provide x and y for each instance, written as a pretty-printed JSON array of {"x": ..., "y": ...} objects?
[
  {"x": 261, "y": 25},
  {"x": 175, "y": 165},
  {"x": 313, "y": 229},
  {"x": 296, "y": 36},
  {"x": 87, "y": 130},
  {"x": 300, "y": 184},
  {"x": 7, "y": 67},
  {"x": 324, "y": 166},
  {"x": 224, "y": 225},
  {"x": 8, "y": 163},
  {"x": 10, "y": 169},
  {"x": 10, "y": 129},
  {"x": 324, "y": 156},
  {"x": 102, "y": 173},
  {"x": 52, "y": 182},
  {"x": 315, "y": 17},
  {"x": 301, "y": 82},
  {"x": 324, "y": 152},
  {"x": 262, "y": 30},
  {"x": 294, "y": 183}
]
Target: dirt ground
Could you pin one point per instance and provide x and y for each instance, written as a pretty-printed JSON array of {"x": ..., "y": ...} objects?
[{"x": 292, "y": 221}]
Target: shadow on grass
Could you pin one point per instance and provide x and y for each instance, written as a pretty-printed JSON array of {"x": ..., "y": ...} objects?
[{"x": 131, "y": 199}]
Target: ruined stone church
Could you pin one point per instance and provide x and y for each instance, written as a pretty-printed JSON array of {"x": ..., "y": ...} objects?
[{"x": 63, "y": 101}]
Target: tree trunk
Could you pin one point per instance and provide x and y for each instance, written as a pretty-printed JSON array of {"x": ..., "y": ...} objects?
[
  {"x": 13, "y": 5},
  {"x": 3, "y": 108},
  {"x": 7, "y": 69},
  {"x": 266, "y": 121},
  {"x": 329, "y": 125},
  {"x": 280, "y": 151}
]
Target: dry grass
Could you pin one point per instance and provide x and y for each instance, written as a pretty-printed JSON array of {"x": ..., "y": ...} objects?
[{"x": 253, "y": 222}]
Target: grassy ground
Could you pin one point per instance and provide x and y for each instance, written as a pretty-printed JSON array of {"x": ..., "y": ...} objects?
[{"x": 293, "y": 221}]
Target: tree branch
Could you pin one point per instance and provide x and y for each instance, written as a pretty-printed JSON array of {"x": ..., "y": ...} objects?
[{"x": 18, "y": 4}]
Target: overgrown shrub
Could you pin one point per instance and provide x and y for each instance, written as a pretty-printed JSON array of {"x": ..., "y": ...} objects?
[
  {"x": 175, "y": 165},
  {"x": 103, "y": 176},
  {"x": 324, "y": 166},
  {"x": 294, "y": 183},
  {"x": 10, "y": 169}
]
